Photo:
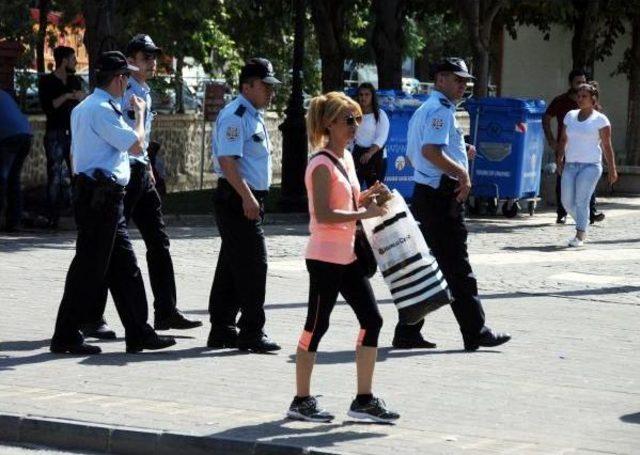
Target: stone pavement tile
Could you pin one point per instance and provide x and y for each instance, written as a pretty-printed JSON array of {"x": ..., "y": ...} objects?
[{"x": 564, "y": 384}]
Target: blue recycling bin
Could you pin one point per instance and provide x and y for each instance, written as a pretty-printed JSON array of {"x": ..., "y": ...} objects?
[{"x": 509, "y": 140}]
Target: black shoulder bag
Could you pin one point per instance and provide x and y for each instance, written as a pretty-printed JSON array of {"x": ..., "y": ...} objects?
[{"x": 362, "y": 249}]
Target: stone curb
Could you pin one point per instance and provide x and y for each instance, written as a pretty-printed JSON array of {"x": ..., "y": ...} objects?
[{"x": 77, "y": 435}]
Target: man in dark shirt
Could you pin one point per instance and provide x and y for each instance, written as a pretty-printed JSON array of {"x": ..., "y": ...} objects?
[
  {"x": 558, "y": 109},
  {"x": 60, "y": 91}
]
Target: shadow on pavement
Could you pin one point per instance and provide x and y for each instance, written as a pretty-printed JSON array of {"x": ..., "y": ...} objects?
[
  {"x": 631, "y": 418},
  {"x": 313, "y": 435},
  {"x": 26, "y": 345},
  {"x": 337, "y": 357}
]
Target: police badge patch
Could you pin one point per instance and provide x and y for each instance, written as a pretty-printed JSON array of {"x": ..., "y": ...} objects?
[
  {"x": 232, "y": 133},
  {"x": 437, "y": 123}
]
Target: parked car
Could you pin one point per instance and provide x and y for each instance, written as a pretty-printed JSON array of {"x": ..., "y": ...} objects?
[{"x": 163, "y": 96}]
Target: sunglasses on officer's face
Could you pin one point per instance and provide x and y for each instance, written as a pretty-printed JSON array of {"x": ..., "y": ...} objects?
[{"x": 353, "y": 120}]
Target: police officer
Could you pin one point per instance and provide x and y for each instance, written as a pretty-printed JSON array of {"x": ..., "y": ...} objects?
[
  {"x": 242, "y": 160},
  {"x": 436, "y": 148},
  {"x": 142, "y": 202},
  {"x": 101, "y": 141}
]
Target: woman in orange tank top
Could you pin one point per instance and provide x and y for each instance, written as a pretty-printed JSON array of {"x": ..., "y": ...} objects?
[{"x": 333, "y": 190}]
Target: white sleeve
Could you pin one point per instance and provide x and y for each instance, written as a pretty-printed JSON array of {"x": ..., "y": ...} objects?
[
  {"x": 382, "y": 129},
  {"x": 604, "y": 121}
]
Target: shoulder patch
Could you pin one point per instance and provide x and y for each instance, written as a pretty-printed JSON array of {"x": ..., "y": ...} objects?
[
  {"x": 240, "y": 111},
  {"x": 437, "y": 123},
  {"x": 115, "y": 108},
  {"x": 444, "y": 102},
  {"x": 232, "y": 133}
]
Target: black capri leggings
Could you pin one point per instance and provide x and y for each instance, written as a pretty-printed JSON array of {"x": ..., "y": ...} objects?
[{"x": 326, "y": 280}]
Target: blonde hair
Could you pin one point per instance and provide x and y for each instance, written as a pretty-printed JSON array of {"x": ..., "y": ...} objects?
[{"x": 324, "y": 110}]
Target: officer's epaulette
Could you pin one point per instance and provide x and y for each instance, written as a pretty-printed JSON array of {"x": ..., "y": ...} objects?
[
  {"x": 113, "y": 106},
  {"x": 444, "y": 102},
  {"x": 240, "y": 111}
]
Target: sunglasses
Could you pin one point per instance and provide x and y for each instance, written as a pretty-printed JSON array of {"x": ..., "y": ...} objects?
[{"x": 352, "y": 120}]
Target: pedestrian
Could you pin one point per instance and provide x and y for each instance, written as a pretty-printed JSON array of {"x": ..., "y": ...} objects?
[
  {"x": 15, "y": 144},
  {"x": 436, "y": 148},
  {"x": 369, "y": 153},
  {"x": 143, "y": 205},
  {"x": 59, "y": 91},
  {"x": 585, "y": 133},
  {"x": 101, "y": 144},
  {"x": 335, "y": 204},
  {"x": 557, "y": 109},
  {"x": 242, "y": 160}
]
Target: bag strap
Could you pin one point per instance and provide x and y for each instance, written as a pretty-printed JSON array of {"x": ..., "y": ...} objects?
[{"x": 341, "y": 168}]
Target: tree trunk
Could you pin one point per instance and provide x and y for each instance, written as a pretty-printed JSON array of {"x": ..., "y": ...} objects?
[
  {"x": 43, "y": 7},
  {"x": 389, "y": 41},
  {"x": 103, "y": 25},
  {"x": 633, "y": 112},
  {"x": 422, "y": 65},
  {"x": 329, "y": 22},
  {"x": 479, "y": 16},
  {"x": 583, "y": 43},
  {"x": 178, "y": 84}
]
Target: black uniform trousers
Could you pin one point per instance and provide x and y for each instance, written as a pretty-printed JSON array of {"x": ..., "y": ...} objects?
[
  {"x": 560, "y": 210},
  {"x": 104, "y": 257},
  {"x": 442, "y": 223},
  {"x": 241, "y": 273},
  {"x": 142, "y": 204}
]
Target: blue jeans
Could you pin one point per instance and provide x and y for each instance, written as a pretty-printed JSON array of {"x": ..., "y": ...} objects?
[
  {"x": 579, "y": 181},
  {"x": 13, "y": 152},
  {"x": 57, "y": 145}
]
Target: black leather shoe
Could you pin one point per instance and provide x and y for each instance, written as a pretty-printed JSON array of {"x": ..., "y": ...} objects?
[
  {"x": 98, "y": 330},
  {"x": 487, "y": 338},
  {"x": 152, "y": 342},
  {"x": 176, "y": 321},
  {"x": 219, "y": 339},
  {"x": 77, "y": 349},
  {"x": 596, "y": 217},
  {"x": 262, "y": 345},
  {"x": 412, "y": 343},
  {"x": 561, "y": 219}
]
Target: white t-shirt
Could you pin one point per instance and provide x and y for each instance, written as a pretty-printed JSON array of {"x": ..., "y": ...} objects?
[
  {"x": 371, "y": 132},
  {"x": 583, "y": 137}
]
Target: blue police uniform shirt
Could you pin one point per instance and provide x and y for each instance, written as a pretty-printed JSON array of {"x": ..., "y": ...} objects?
[
  {"x": 12, "y": 121},
  {"x": 100, "y": 137},
  {"x": 435, "y": 123},
  {"x": 241, "y": 132},
  {"x": 141, "y": 90}
]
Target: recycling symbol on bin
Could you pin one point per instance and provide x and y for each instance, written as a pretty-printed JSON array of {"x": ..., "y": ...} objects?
[{"x": 494, "y": 129}]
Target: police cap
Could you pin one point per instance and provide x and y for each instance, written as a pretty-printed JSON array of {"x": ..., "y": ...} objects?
[
  {"x": 144, "y": 43},
  {"x": 260, "y": 68},
  {"x": 114, "y": 62},
  {"x": 454, "y": 65}
]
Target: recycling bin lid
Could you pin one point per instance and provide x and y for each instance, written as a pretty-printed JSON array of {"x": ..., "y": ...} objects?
[{"x": 530, "y": 105}]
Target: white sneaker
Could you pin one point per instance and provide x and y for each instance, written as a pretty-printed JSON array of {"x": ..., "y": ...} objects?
[{"x": 576, "y": 242}]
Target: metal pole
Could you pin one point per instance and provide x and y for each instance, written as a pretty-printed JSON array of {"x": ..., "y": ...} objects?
[
  {"x": 204, "y": 132},
  {"x": 294, "y": 134}
]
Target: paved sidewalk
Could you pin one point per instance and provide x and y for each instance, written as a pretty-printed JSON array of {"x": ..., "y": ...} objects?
[{"x": 567, "y": 383}]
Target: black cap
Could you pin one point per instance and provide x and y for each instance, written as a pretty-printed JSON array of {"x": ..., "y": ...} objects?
[
  {"x": 114, "y": 61},
  {"x": 260, "y": 68},
  {"x": 144, "y": 43},
  {"x": 454, "y": 65}
]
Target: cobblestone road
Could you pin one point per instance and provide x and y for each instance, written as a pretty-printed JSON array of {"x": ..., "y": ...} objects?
[{"x": 567, "y": 383}]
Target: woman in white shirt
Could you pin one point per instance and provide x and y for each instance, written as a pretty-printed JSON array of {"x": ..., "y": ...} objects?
[
  {"x": 368, "y": 151},
  {"x": 584, "y": 135}
]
